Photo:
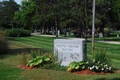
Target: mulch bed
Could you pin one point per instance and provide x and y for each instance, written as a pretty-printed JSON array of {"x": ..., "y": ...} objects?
[
  {"x": 88, "y": 72},
  {"x": 81, "y": 72},
  {"x": 26, "y": 67}
]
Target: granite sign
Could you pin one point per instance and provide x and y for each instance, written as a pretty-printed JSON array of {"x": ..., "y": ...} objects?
[{"x": 69, "y": 50}]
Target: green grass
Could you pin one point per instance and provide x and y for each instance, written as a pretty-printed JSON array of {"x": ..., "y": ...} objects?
[
  {"x": 9, "y": 61},
  {"x": 113, "y": 37},
  {"x": 117, "y": 39},
  {"x": 35, "y": 41}
]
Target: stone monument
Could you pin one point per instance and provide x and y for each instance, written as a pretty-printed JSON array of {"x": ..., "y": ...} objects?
[{"x": 69, "y": 50}]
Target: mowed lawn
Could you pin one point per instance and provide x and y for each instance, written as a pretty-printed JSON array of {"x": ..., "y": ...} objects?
[{"x": 8, "y": 62}]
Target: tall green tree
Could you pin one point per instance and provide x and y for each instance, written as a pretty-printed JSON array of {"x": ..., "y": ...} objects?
[
  {"x": 41, "y": 17},
  {"x": 65, "y": 21},
  {"x": 59, "y": 11},
  {"x": 24, "y": 17},
  {"x": 81, "y": 12},
  {"x": 102, "y": 14},
  {"x": 8, "y": 8},
  {"x": 115, "y": 14},
  {"x": 116, "y": 8}
]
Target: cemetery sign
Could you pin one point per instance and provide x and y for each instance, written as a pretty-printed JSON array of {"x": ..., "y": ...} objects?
[{"x": 69, "y": 50}]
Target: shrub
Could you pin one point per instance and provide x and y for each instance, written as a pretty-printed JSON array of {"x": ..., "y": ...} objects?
[
  {"x": 74, "y": 32},
  {"x": 3, "y": 45},
  {"x": 100, "y": 60},
  {"x": 98, "y": 66},
  {"x": 16, "y": 32},
  {"x": 100, "y": 54},
  {"x": 106, "y": 32},
  {"x": 77, "y": 65},
  {"x": 23, "y": 59},
  {"x": 39, "y": 61}
]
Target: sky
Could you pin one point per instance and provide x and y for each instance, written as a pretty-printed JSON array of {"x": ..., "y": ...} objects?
[{"x": 18, "y": 1}]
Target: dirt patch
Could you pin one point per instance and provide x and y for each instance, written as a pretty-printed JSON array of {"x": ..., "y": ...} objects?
[
  {"x": 88, "y": 72},
  {"x": 26, "y": 67}
]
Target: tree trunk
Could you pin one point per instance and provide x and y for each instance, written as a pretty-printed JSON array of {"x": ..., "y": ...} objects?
[
  {"x": 86, "y": 23},
  {"x": 65, "y": 32},
  {"x": 12, "y": 25},
  {"x": 56, "y": 25},
  {"x": 86, "y": 31},
  {"x": 43, "y": 28},
  {"x": 48, "y": 30},
  {"x": 101, "y": 30},
  {"x": 35, "y": 27}
]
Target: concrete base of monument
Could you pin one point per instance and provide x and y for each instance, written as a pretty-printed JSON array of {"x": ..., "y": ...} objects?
[{"x": 63, "y": 63}]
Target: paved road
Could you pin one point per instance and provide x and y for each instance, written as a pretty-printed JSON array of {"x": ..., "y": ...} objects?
[{"x": 110, "y": 42}]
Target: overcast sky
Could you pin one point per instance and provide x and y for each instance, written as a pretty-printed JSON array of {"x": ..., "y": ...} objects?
[{"x": 18, "y": 1}]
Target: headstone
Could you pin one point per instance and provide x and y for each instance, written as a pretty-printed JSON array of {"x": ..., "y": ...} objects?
[
  {"x": 117, "y": 35},
  {"x": 100, "y": 34},
  {"x": 69, "y": 50},
  {"x": 53, "y": 31},
  {"x": 67, "y": 33},
  {"x": 58, "y": 32}
]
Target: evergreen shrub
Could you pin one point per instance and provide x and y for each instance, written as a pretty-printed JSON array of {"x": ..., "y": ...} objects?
[{"x": 16, "y": 32}]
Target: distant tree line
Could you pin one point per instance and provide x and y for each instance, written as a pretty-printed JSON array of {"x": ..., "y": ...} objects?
[{"x": 60, "y": 14}]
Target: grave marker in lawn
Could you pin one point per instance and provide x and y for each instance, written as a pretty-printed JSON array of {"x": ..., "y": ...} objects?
[
  {"x": 117, "y": 35},
  {"x": 100, "y": 34},
  {"x": 69, "y": 50},
  {"x": 58, "y": 32}
]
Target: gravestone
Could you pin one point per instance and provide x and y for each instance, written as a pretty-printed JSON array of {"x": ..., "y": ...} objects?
[
  {"x": 67, "y": 33},
  {"x": 69, "y": 50},
  {"x": 100, "y": 34},
  {"x": 117, "y": 35},
  {"x": 58, "y": 32},
  {"x": 53, "y": 31}
]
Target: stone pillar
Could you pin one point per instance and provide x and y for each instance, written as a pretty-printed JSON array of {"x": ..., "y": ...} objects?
[
  {"x": 100, "y": 34},
  {"x": 117, "y": 35},
  {"x": 67, "y": 33},
  {"x": 58, "y": 32},
  {"x": 53, "y": 31}
]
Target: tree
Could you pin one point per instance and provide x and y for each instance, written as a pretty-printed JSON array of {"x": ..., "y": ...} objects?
[
  {"x": 60, "y": 11},
  {"x": 102, "y": 14},
  {"x": 7, "y": 13},
  {"x": 24, "y": 17},
  {"x": 81, "y": 14},
  {"x": 116, "y": 8},
  {"x": 65, "y": 21},
  {"x": 115, "y": 14}
]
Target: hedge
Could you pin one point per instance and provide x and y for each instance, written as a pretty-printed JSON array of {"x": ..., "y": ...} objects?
[{"x": 15, "y": 32}]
